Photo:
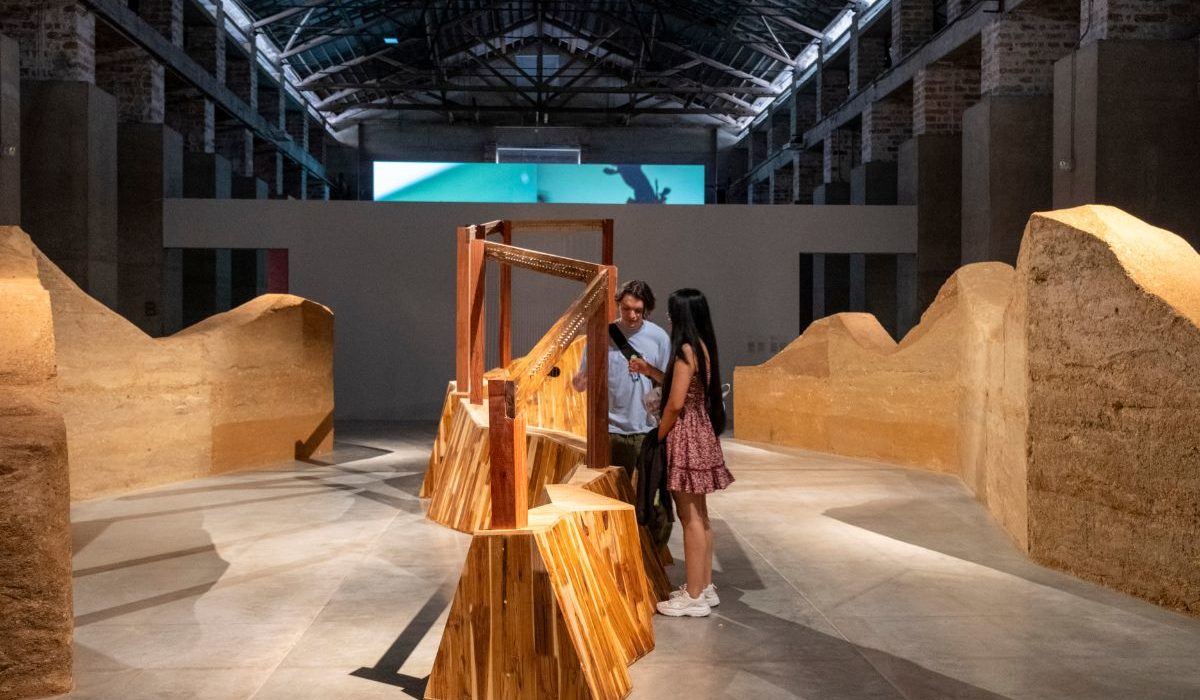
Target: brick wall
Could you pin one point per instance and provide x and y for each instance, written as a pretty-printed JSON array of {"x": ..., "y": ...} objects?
[
  {"x": 912, "y": 25},
  {"x": 241, "y": 76},
  {"x": 1020, "y": 48},
  {"x": 841, "y": 148},
  {"x": 758, "y": 145},
  {"x": 236, "y": 145},
  {"x": 166, "y": 16},
  {"x": 782, "y": 185},
  {"x": 809, "y": 167},
  {"x": 886, "y": 125},
  {"x": 833, "y": 87},
  {"x": 206, "y": 45},
  {"x": 941, "y": 93},
  {"x": 297, "y": 127},
  {"x": 195, "y": 119},
  {"x": 868, "y": 58},
  {"x": 1139, "y": 19},
  {"x": 781, "y": 129},
  {"x": 57, "y": 38},
  {"x": 804, "y": 112},
  {"x": 136, "y": 80}
]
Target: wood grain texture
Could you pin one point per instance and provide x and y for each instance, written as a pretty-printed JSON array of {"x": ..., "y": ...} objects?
[{"x": 553, "y": 610}]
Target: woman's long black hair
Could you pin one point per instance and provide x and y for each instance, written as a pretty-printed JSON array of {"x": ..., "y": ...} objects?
[{"x": 691, "y": 324}]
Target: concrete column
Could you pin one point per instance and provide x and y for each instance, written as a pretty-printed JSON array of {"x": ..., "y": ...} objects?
[
  {"x": 912, "y": 25},
  {"x": 172, "y": 306},
  {"x": 57, "y": 39},
  {"x": 929, "y": 177},
  {"x": 1125, "y": 123},
  {"x": 836, "y": 281},
  {"x": 1138, "y": 19},
  {"x": 243, "y": 275},
  {"x": 868, "y": 58},
  {"x": 941, "y": 93},
  {"x": 69, "y": 180},
  {"x": 908, "y": 310},
  {"x": 149, "y": 169},
  {"x": 223, "y": 279},
  {"x": 206, "y": 176},
  {"x": 881, "y": 291},
  {"x": 261, "y": 270},
  {"x": 807, "y": 291},
  {"x": 886, "y": 124},
  {"x": 277, "y": 271},
  {"x": 10, "y": 133},
  {"x": 199, "y": 298},
  {"x": 818, "y": 286},
  {"x": 809, "y": 167},
  {"x": 858, "y": 282},
  {"x": 1007, "y": 137},
  {"x": 833, "y": 87}
]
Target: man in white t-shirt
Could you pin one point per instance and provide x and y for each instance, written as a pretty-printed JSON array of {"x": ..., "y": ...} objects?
[{"x": 629, "y": 381}]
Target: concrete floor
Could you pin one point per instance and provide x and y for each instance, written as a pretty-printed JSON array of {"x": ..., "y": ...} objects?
[{"x": 839, "y": 579}]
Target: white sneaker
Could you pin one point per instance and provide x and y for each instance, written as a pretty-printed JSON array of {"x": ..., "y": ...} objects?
[
  {"x": 709, "y": 594},
  {"x": 680, "y": 605}
]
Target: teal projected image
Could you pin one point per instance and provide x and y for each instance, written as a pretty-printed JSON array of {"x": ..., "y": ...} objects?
[{"x": 528, "y": 182}]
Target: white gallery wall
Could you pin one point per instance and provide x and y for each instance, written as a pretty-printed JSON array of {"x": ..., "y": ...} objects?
[{"x": 387, "y": 272}]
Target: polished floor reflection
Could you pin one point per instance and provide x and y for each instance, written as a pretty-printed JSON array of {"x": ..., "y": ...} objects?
[{"x": 839, "y": 579}]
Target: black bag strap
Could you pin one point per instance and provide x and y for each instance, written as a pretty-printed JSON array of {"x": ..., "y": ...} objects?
[{"x": 621, "y": 341}]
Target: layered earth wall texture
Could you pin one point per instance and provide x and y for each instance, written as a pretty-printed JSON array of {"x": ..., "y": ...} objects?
[
  {"x": 1066, "y": 394},
  {"x": 35, "y": 534}
]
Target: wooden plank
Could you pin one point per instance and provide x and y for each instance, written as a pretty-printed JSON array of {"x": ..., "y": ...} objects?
[
  {"x": 506, "y": 435},
  {"x": 597, "y": 335},
  {"x": 556, "y": 265},
  {"x": 437, "y": 456},
  {"x": 506, "y": 300},
  {"x": 462, "y": 309},
  {"x": 531, "y": 371},
  {"x": 557, "y": 224},
  {"x": 606, "y": 242},
  {"x": 475, "y": 274},
  {"x": 597, "y": 388}
]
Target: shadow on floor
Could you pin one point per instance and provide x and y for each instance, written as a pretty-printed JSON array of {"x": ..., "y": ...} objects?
[
  {"x": 387, "y": 669},
  {"x": 742, "y": 650}
]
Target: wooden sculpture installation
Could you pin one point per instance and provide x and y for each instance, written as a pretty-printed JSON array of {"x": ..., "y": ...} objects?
[{"x": 554, "y": 600}]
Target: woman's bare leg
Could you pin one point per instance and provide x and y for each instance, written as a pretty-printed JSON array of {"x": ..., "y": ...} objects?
[
  {"x": 697, "y": 552},
  {"x": 708, "y": 543}
]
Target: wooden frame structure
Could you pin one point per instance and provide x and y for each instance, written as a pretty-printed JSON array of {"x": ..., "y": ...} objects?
[{"x": 509, "y": 387}]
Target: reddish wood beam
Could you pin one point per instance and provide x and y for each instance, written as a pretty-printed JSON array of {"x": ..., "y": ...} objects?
[
  {"x": 597, "y": 350},
  {"x": 506, "y": 300},
  {"x": 462, "y": 310},
  {"x": 475, "y": 273},
  {"x": 506, "y": 445},
  {"x": 606, "y": 243}
]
